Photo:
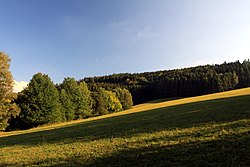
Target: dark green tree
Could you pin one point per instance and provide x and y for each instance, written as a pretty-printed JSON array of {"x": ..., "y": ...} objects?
[
  {"x": 99, "y": 106},
  {"x": 84, "y": 101},
  {"x": 40, "y": 103},
  {"x": 79, "y": 95},
  {"x": 67, "y": 105},
  {"x": 184, "y": 82}
]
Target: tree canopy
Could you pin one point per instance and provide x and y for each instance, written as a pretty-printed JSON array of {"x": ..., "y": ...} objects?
[
  {"x": 184, "y": 82},
  {"x": 8, "y": 108},
  {"x": 78, "y": 100},
  {"x": 39, "y": 102},
  {"x": 42, "y": 102}
]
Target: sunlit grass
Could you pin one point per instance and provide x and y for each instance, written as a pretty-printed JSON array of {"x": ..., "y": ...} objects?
[{"x": 211, "y": 130}]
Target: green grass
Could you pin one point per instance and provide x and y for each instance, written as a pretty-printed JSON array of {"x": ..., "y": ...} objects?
[{"x": 211, "y": 130}]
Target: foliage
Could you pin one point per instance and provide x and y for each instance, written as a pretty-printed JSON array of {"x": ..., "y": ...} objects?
[
  {"x": 8, "y": 108},
  {"x": 39, "y": 102},
  {"x": 124, "y": 97},
  {"x": 105, "y": 102},
  {"x": 107, "y": 94},
  {"x": 67, "y": 105},
  {"x": 99, "y": 106},
  {"x": 112, "y": 102},
  {"x": 79, "y": 97},
  {"x": 85, "y": 101},
  {"x": 184, "y": 82}
]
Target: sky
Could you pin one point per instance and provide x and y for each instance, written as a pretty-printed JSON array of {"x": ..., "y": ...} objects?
[{"x": 82, "y": 38}]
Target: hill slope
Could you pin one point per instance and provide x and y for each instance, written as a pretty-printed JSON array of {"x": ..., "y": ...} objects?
[{"x": 211, "y": 130}]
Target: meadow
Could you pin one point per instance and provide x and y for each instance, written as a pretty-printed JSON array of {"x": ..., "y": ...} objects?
[{"x": 209, "y": 130}]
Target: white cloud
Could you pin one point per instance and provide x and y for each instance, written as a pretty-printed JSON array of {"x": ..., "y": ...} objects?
[{"x": 19, "y": 86}]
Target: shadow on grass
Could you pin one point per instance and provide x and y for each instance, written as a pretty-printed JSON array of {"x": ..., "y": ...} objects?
[
  {"x": 179, "y": 116},
  {"x": 228, "y": 151},
  {"x": 164, "y": 100},
  {"x": 231, "y": 151}
]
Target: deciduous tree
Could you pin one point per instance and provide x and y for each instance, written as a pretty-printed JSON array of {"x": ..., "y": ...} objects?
[
  {"x": 79, "y": 95},
  {"x": 40, "y": 103},
  {"x": 124, "y": 97},
  {"x": 7, "y": 106}
]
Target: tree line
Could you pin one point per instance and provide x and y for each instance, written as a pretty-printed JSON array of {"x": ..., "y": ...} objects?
[
  {"x": 184, "y": 82},
  {"x": 43, "y": 102}
]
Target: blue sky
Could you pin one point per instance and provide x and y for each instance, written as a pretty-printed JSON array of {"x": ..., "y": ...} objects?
[{"x": 80, "y": 38}]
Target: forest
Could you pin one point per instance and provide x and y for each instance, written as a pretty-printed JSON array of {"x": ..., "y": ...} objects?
[
  {"x": 43, "y": 102},
  {"x": 184, "y": 82}
]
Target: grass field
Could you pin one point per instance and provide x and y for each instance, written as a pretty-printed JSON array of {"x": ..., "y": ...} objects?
[{"x": 210, "y": 130}]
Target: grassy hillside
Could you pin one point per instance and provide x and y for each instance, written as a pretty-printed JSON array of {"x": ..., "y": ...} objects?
[{"x": 210, "y": 130}]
